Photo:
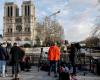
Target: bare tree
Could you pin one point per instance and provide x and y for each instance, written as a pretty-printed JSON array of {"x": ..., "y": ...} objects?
[
  {"x": 49, "y": 30},
  {"x": 92, "y": 42},
  {"x": 40, "y": 31},
  {"x": 53, "y": 30}
]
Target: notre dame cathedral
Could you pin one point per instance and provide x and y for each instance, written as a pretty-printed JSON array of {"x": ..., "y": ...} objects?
[{"x": 19, "y": 28}]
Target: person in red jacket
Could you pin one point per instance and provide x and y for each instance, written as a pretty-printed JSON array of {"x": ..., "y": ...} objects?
[{"x": 53, "y": 58}]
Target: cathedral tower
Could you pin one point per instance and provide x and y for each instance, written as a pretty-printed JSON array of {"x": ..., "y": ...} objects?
[{"x": 19, "y": 28}]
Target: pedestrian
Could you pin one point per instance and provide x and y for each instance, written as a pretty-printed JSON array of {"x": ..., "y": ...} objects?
[
  {"x": 64, "y": 73},
  {"x": 27, "y": 63},
  {"x": 22, "y": 62},
  {"x": 72, "y": 57},
  {"x": 16, "y": 56},
  {"x": 2, "y": 60},
  {"x": 7, "y": 59},
  {"x": 53, "y": 58}
]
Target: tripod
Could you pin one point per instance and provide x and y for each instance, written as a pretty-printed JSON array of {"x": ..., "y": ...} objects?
[{"x": 40, "y": 58}]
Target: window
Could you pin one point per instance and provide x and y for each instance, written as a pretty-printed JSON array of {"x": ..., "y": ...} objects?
[
  {"x": 18, "y": 20},
  {"x": 11, "y": 30},
  {"x": 11, "y": 11},
  {"x": 8, "y": 39},
  {"x": 27, "y": 39},
  {"x": 28, "y": 10},
  {"x": 8, "y": 11},
  {"x": 19, "y": 28},
  {"x": 17, "y": 11},
  {"x": 28, "y": 29},
  {"x": 25, "y": 10},
  {"x": 25, "y": 29},
  {"x": 8, "y": 30},
  {"x": 18, "y": 39}
]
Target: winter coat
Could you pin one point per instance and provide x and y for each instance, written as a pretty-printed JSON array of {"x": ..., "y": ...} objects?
[
  {"x": 2, "y": 53},
  {"x": 16, "y": 54},
  {"x": 54, "y": 53}
]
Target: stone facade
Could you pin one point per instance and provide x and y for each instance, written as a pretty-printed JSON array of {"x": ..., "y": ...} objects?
[{"x": 19, "y": 28}]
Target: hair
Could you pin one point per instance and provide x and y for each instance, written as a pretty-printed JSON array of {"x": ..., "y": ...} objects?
[
  {"x": 15, "y": 44},
  {"x": 52, "y": 43},
  {"x": 73, "y": 74},
  {"x": 0, "y": 44}
]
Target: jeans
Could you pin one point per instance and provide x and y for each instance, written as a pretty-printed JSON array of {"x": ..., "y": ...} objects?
[
  {"x": 2, "y": 67},
  {"x": 53, "y": 64}
]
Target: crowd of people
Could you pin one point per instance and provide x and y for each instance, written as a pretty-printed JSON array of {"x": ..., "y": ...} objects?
[
  {"x": 15, "y": 56},
  {"x": 62, "y": 68}
]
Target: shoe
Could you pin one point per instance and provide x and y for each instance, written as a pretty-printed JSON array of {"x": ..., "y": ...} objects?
[
  {"x": 6, "y": 75},
  {"x": 2, "y": 75},
  {"x": 18, "y": 75},
  {"x": 48, "y": 74},
  {"x": 55, "y": 76},
  {"x": 12, "y": 75},
  {"x": 27, "y": 70}
]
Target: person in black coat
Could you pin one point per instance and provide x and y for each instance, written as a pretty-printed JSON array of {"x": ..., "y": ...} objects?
[
  {"x": 72, "y": 57},
  {"x": 16, "y": 56}
]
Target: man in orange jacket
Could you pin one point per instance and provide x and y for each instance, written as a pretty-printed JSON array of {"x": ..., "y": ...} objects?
[{"x": 53, "y": 57}]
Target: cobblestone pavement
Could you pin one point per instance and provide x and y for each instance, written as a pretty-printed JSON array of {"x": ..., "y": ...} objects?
[{"x": 41, "y": 75}]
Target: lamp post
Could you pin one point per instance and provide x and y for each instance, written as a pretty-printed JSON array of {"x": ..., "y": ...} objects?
[{"x": 48, "y": 23}]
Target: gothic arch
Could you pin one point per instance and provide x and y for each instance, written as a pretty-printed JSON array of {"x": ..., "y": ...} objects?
[
  {"x": 27, "y": 39},
  {"x": 17, "y": 39},
  {"x": 8, "y": 39}
]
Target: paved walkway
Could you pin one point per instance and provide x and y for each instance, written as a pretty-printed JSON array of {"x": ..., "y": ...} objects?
[
  {"x": 88, "y": 76},
  {"x": 32, "y": 75},
  {"x": 41, "y": 75}
]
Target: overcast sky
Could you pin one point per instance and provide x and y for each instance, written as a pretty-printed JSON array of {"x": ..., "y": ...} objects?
[{"x": 77, "y": 16}]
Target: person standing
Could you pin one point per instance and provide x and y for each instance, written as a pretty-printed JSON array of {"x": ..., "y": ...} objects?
[
  {"x": 2, "y": 60},
  {"x": 53, "y": 58},
  {"x": 22, "y": 62},
  {"x": 7, "y": 58},
  {"x": 72, "y": 57},
  {"x": 15, "y": 59}
]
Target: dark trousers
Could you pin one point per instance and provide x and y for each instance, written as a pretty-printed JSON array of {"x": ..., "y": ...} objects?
[
  {"x": 64, "y": 76},
  {"x": 22, "y": 66},
  {"x": 15, "y": 68},
  {"x": 53, "y": 64},
  {"x": 74, "y": 66}
]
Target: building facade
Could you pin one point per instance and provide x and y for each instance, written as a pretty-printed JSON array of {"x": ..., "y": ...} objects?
[{"x": 19, "y": 28}]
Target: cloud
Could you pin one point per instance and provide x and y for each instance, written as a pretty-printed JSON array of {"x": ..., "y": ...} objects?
[
  {"x": 78, "y": 32},
  {"x": 81, "y": 18},
  {"x": 88, "y": 2},
  {"x": 76, "y": 16}
]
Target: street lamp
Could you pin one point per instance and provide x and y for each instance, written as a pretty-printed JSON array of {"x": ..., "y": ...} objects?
[{"x": 47, "y": 23}]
